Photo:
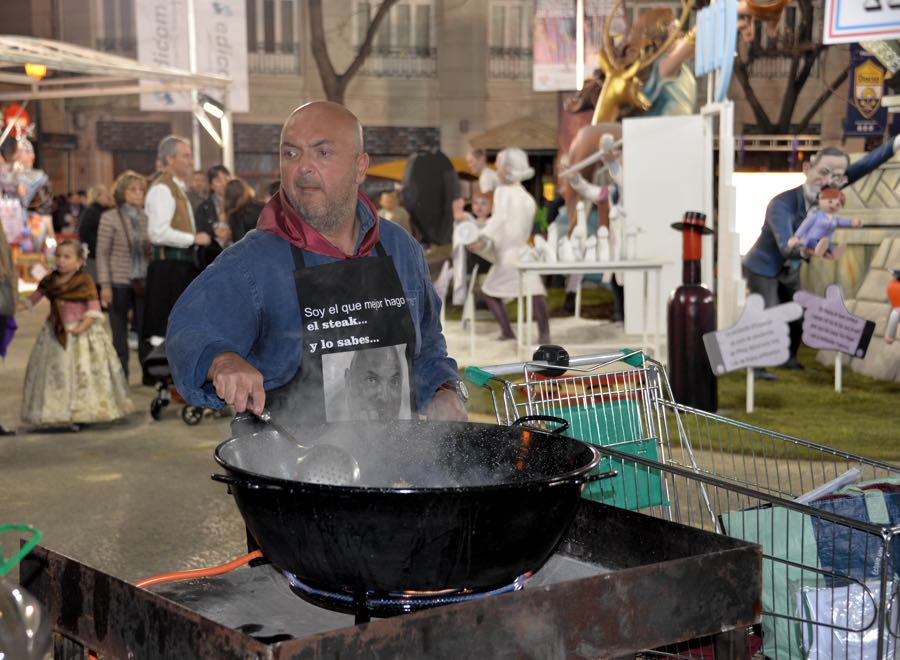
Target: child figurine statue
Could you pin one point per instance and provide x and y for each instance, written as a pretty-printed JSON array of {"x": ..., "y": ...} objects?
[{"x": 814, "y": 234}]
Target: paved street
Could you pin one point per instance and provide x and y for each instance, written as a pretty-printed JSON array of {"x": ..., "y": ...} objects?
[{"x": 132, "y": 498}]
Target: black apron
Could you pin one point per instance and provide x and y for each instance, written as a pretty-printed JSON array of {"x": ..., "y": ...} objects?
[{"x": 358, "y": 345}]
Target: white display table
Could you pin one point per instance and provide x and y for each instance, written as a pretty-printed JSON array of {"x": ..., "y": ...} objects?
[{"x": 523, "y": 335}]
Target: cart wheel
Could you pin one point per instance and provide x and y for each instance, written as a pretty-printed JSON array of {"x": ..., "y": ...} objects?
[
  {"x": 156, "y": 407},
  {"x": 192, "y": 415}
]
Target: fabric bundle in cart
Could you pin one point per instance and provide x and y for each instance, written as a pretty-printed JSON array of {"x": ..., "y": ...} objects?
[{"x": 821, "y": 578}]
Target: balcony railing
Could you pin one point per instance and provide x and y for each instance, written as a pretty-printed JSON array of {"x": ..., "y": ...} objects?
[
  {"x": 749, "y": 141},
  {"x": 510, "y": 63},
  {"x": 401, "y": 63},
  {"x": 278, "y": 63},
  {"x": 778, "y": 68}
]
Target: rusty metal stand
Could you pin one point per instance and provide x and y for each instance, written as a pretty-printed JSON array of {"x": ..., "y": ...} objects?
[{"x": 619, "y": 582}]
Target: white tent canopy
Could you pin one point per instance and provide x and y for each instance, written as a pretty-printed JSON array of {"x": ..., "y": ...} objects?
[{"x": 93, "y": 73}]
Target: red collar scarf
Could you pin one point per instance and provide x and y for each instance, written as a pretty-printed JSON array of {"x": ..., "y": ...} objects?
[{"x": 280, "y": 218}]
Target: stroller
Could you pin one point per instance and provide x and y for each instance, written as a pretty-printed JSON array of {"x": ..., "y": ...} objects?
[{"x": 156, "y": 367}]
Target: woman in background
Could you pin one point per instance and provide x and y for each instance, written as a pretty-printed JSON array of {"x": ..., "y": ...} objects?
[
  {"x": 241, "y": 208},
  {"x": 123, "y": 249}
]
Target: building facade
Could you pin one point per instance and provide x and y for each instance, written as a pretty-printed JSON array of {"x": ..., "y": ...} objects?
[{"x": 441, "y": 72}]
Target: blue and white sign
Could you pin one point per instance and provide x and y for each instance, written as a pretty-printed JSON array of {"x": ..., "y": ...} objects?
[
  {"x": 162, "y": 39},
  {"x": 865, "y": 114},
  {"x": 849, "y": 21},
  {"x": 716, "y": 43},
  {"x": 221, "y": 42}
]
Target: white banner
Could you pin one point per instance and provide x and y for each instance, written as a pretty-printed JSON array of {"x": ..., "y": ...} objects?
[
  {"x": 222, "y": 47},
  {"x": 162, "y": 39},
  {"x": 849, "y": 21}
]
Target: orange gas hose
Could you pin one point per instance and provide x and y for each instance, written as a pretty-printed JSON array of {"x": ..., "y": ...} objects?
[
  {"x": 199, "y": 572},
  {"x": 194, "y": 573}
]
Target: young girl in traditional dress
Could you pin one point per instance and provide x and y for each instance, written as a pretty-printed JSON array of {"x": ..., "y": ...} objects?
[{"x": 73, "y": 376}]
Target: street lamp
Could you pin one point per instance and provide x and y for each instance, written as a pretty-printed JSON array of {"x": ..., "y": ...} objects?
[
  {"x": 36, "y": 71},
  {"x": 212, "y": 106}
]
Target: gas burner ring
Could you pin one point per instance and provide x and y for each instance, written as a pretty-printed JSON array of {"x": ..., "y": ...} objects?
[{"x": 396, "y": 603}]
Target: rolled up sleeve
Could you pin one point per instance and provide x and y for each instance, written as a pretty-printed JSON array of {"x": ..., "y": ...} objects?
[
  {"x": 433, "y": 367},
  {"x": 202, "y": 325}
]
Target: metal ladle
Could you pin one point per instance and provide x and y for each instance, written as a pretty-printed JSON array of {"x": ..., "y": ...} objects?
[{"x": 319, "y": 464}]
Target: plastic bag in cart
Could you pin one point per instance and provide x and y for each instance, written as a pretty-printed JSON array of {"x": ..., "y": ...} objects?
[
  {"x": 836, "y": 609},
  {"x": 790, "y": 562}
]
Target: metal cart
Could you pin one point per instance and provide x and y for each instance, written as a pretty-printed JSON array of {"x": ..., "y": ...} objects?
[{"x": 826, "y": 519}]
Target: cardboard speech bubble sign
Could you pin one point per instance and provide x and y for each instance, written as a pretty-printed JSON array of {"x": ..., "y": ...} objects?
[
  {"x": 759, "y": 339},
  {"x": 829, "y": 325}
]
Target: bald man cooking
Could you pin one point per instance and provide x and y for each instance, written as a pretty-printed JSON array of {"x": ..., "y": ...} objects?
[{"x": 321, "y": 275}]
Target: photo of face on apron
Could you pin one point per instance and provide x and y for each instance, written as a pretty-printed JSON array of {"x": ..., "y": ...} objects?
[{"x": 358, "y": 344}]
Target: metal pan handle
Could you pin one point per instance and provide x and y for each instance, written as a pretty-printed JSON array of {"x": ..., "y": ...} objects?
[
  {"x": 523, "y": 421},
  {"x": 242, "y": 483},
  {"x": 601, "y": 475}
]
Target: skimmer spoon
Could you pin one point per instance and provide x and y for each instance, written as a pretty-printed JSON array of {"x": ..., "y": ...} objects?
[{"x": 319, "y": 464}]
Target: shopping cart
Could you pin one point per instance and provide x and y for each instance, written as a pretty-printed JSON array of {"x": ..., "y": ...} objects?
[{"x": 827, "y": 520}]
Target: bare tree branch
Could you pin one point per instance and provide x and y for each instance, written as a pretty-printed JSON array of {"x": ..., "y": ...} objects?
[
  {"x": 810, "y": 59},
  {"x": 806, "y": 21},
  {"x": 789, "y": 98},
  {"x": 743, "y": 78},
  {"x": 334, "y": 83},
  {"x": 329, "y": 77},
  {"x": 801, "y": 50},
  {"x": 366, "y": 46},
  {"x": 819, "y": 102}
]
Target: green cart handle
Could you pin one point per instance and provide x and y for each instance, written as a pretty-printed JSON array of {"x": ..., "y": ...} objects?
[
  {"x": 481, "y": 377},
  {"x": 478, "y": 376},
  {"x": 7, "y": 565},
  {"x": 634, "y": 357}
]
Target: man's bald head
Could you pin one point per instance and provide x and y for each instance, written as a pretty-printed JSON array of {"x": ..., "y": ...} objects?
[
  {"x": 322, "y": 166},
  {"x": 338, "y": 112}
]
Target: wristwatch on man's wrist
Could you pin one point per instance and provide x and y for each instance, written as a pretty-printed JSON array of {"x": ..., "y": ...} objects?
[{"x": 459, "y": 387}]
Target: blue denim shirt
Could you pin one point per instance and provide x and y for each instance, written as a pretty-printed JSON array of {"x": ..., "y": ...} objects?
[{"x": 246, "y": 303}]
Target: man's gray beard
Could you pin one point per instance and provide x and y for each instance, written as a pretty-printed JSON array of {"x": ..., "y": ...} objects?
[{"x": 325, "y": 223}]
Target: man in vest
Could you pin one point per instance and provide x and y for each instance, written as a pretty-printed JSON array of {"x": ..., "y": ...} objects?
[{"x": 170, "y": 225}]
